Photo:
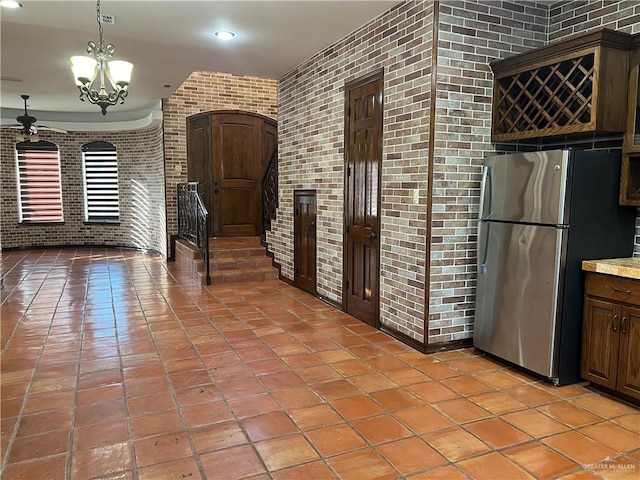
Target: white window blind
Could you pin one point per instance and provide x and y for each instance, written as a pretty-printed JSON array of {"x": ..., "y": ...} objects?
[
  {"x": 39, "y": 184},
  {"x": 100, "y": 167}
]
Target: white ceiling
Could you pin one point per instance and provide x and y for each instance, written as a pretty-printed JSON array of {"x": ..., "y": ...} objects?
[{"x": 166, "y": 40}]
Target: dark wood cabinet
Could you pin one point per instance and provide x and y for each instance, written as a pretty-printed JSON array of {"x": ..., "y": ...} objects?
[
  {"x": 611, "y": 334},
  {"x": 630, "y": 173},
  {"x": 577, "y": 85}
]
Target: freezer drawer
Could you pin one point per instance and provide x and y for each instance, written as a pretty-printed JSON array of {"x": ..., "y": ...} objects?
[
  {"x": 526, "y": 188},
  {"x": 518, "y": 293}
]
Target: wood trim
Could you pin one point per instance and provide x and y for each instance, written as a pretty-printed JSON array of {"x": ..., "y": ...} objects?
[
  {"x": 430, "y": 164},
  {"x": 330, "y": 302},
  {"x": 404, "y": 338},
  {"x": 601, "y": 37},
  {"x": 452, "y": 345},
  {"x": 632, "y": 101},
  {"x": 235, "y": 112},
  {"x": 171, "y": 257},
  {"x": 421, "y": 347}
]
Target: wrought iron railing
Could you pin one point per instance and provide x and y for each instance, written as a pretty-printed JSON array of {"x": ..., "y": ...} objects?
[
  {"x": 270, "y": 192},
  {"x": 193, "y": 221}
]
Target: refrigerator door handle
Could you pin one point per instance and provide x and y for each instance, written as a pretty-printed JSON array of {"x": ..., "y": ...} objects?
[
  {"x": 486, "y": 192},
  {"x": 483, "y": 246}
]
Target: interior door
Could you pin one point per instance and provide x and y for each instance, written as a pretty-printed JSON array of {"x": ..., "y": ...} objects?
[
  {"x": 363, "y": 158},
  {"x": 304, "y": 243},
  {"x": 199, "y": 156},
  {"x": 237, "y": 175}
]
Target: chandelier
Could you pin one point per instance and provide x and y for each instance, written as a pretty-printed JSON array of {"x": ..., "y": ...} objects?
[{"x": 101, "y": 81}]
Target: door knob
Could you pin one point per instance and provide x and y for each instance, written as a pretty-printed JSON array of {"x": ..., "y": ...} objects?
[
  {"x": 311, "y": 224},
  {"x": 372, "y": 236}
]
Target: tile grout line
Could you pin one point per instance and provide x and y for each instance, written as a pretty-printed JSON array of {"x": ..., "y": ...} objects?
[
  {"x": 20, "y": 415},
  {"x": 134, "y": 463}
]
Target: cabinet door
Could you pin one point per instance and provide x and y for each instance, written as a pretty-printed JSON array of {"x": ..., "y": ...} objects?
[
  {"x": 600, "y": 342},
  {"x": 629, "y": 357}
]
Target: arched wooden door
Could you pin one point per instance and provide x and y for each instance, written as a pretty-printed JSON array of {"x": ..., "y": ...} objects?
[{"x": 228, "y": 153}]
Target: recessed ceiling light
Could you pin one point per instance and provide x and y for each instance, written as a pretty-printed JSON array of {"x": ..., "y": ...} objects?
[
  {"x": 10, "y": 4},
  {"x": 225, "y": 35}
]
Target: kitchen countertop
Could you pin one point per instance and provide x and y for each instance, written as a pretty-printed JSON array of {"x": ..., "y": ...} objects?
[{"x": 620, "y": 267}]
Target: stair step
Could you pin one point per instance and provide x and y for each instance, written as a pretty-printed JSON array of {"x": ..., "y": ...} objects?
[
  {"x": 231, "y": 260},
  {"x": 237, "y": 252},
  {"x": 244, "y": 275},
  {"x": 235, "y": 263}
]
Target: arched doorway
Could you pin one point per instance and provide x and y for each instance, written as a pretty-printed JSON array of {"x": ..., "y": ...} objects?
[{"x": 228, "y": 153}]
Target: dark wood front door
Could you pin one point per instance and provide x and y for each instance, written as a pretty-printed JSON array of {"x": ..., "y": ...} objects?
[
  {"x": 363, "y": 158},
  {"x": 199, "y": 156},
  {"x": 237, "y": 175},
  {"x": 304, "y": 244}
]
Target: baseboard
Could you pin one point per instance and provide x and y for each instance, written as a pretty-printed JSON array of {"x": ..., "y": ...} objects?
[{"x": 429, "y": 348}]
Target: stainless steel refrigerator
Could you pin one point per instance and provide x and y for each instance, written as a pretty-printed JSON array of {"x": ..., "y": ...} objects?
[{"x": 541, "y": 214}]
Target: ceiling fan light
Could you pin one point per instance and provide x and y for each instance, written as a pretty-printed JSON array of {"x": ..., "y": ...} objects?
[
  {"x": 120, "y": 72},
  {"x": 83, "y": 69}
]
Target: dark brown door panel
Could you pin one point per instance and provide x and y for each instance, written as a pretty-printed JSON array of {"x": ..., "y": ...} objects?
[{"x": 363, "y": 158}]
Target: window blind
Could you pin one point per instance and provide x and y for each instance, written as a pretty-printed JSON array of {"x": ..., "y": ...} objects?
[
  {"x": 100, "y": 165},
  {"x": 39, "y": 184}
]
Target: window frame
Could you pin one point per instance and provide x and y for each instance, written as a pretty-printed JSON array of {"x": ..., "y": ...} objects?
[
  {"x": 23, "y": 187},
  {"x": 92, "y": 152}
]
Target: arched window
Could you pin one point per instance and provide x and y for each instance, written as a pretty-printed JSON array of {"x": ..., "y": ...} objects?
[
  {"x": 100, "y": 171},
  {"x": 39, "y": 183}
]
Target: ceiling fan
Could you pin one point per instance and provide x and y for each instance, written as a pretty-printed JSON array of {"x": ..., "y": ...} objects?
[{"x": 27, "y": 126}]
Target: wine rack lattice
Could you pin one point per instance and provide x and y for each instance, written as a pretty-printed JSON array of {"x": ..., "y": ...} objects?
[{"x": 548, "y": 97}]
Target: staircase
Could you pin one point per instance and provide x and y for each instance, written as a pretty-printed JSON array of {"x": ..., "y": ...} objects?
[{"x": 232, "y": 260}]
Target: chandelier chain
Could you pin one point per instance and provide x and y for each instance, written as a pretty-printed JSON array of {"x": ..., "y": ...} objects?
[{"x": 99, "y": 19}]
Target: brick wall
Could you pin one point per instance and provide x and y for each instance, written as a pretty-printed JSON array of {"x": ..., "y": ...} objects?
[
  {"x": 569, "y": 18},
  {"x": 141, "y": 189},
  {"x": 204, "y": 92},
  {"x": 471, "y": 35},
  {"x": 311, "y": 130},
  {"x": 311, "y": 151}
]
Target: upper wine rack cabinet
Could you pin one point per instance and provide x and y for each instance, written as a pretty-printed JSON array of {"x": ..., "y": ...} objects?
[{"x": 577, "y": 85}]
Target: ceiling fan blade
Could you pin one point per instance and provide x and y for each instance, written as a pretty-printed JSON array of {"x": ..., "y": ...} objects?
[{"x": 51, "y": 129}]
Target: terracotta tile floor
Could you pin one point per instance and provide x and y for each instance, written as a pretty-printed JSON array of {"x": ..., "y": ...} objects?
[{"x": 115, "y": 366}]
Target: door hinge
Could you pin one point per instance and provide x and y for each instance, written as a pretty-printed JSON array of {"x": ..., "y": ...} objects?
[
  {"x": 348, "y": 171},
  {"x": 347, "y": 284},
  {"x": 347, "y": 229},
  {"x": 297, "y": 211},
  {"x": 348, "y": 112}
]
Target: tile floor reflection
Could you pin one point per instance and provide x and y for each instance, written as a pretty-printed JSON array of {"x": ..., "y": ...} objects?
[{"x": 116, "y": 366}]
